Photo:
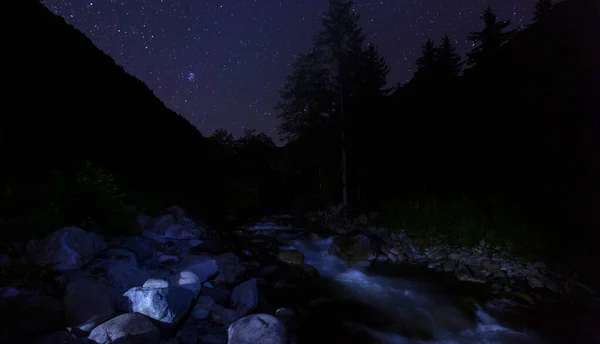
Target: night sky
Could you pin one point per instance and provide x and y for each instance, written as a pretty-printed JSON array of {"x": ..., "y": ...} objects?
[{"x": 221, "y": 64}]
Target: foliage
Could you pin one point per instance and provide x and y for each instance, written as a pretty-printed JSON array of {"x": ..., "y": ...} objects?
[
  {"x": 87, "y": 197},
  {"x": 490, "y": 38},
  {"x": 464, "y": 220}
]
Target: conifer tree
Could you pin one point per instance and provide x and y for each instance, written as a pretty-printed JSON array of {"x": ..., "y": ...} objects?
[{"x": 490, "y": 39}]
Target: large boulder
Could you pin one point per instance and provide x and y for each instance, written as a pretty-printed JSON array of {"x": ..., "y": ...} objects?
[
  {"x": 68, "y": 248},
  {"x": 89, "y": 302},
  {"x": 157, "y": 300},
  {"x": 257, "y": 328},
  {"x": 181, "y": 228},
  {"x": 130, "y": 328},
  {"x": 244, "y": 297}
]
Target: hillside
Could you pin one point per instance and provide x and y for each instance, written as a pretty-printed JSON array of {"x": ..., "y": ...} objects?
[{"x": 68, "y": 102}]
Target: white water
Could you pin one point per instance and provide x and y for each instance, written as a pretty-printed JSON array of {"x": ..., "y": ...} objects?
[{"x": 408, "y": 302}]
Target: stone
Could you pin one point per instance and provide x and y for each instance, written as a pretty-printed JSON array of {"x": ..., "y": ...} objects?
[
  {"x": 167, "y": 305},
  {"x": 223, "y": 315},
  {"x": 257, "y": 328},
  {"x": 68, "y": 248},
  {"x": 201, "y": 310},
  {"x": 89, "y": 302},
  {"x": 130, "y": 328},
  {"x": 230, "y": 269},
  {"x": 291, "y": 257},
  {"x": 204, "y": 267},
  {"x": 121, "y": 255},
  {"x": 244, "y": 297},
  {"x": 534, "y": 282}
]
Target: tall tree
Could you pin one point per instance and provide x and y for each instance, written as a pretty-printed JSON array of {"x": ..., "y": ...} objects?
[
  {"x": 448, "y": 62},
  {"x": 341, "y": 40},
  {"x": 426, "y": 64},
  {"x": 542, "y": 7},
  {"x": 306, "y": 98},
  {"x": 490, "y": 39}
]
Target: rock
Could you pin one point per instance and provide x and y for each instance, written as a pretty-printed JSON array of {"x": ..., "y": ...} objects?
[
  {"x": 202, "y": 308},
  {"x": 219, "y": 295},
  {"x": 534, "y": 282},
  {"x": 187, "y": 334},
  {"x": 195, "y": 242},
  {"x": 143, "y": 221},
  {"x": 356, "y": 247},
  {"x": 187, "y": 280},
  {"x": 213, "y": 339},
  {"x": 204, "y": 267},
  {"x": 449, "y": 266},
  {"x": 244, "y": 297},
  {"x": 223, "y": 315},
  {"x": 89, "y": 302},
  {"x": 257, "y": 328},
  {"x": 123, "y": 276},
  {"x": 167, "y": 305},
  {"x": 131, "y": 328},
  {"x": 68, "y": 248},
  {"x": 154, "y": 237},
  {"x": 121, "y": 255},
  {"x": 155, "y": 283},
  {"x": 490, "y": 265},
  {"x": 553, "y": 286},
  {"x": 291, "y": 257},
  {"x": 140, "y": 246},
  {"x": 168, "y": 259},
  {"x": 230, "y": 269},
  {"x": 438, "y": 254}
]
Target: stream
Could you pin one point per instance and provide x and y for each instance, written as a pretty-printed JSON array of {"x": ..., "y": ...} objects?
[{"x": 391, "y": 304}]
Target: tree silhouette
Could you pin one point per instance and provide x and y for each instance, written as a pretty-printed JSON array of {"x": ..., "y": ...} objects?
[
  {"x": 490, "y": 39},
  {"x": 542, "y": 7},
  {"x": 341, "y": 41},
  {"x": 306, "y": 98},
  {"x": 448, "y": 62},
  {"x": 426, "y": 64}
]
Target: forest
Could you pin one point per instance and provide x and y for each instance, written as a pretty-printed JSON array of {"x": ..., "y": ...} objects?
[{"x": 501, "y": 145}]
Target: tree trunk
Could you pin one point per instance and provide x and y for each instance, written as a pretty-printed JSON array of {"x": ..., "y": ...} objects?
[{"x": 343, "y": 150}]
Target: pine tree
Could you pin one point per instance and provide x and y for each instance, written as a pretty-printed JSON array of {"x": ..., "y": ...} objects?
[
  {"x": 426, "y": 64},
  {"x": 327, "y": 84},
  {"x": 341, "y": 40},
  {"x": 306, "y": 98},
  {"x": 542, "y": 7},
  {"x": 448, "y": 62},
  {"x": 490, "y": 39}
]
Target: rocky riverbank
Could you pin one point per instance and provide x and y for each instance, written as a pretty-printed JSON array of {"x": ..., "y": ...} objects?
[
  {"x": 174, "y": 283},
  {"x": 361, "y": 243}
]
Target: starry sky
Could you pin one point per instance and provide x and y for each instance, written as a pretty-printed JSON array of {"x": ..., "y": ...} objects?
[{"x": 221, "y": 63}]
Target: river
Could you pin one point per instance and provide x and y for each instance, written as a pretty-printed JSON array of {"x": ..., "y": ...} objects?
[{"x": 396, "y": 305}]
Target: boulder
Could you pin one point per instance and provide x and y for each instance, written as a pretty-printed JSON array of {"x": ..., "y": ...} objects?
[
  {"x": 257, "y": 328},
  {"x": 130, "y": 328},
  {"x": 68, "y": 248}
]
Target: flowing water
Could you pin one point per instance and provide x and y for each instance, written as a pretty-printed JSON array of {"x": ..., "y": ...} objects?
[{"x": 388, "y": 306}]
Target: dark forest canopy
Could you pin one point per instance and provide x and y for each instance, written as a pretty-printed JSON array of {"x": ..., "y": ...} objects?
[{"x": 517, "y": 125}]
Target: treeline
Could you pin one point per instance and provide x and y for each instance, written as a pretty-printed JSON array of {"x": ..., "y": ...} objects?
[{"x": 510, "y": 130}]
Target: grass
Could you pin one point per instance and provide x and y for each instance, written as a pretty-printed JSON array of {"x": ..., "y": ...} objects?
[{"x": 464, "y": 220}]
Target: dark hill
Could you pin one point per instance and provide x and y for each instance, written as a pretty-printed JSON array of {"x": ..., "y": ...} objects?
[{"x": 66, "y": 102}]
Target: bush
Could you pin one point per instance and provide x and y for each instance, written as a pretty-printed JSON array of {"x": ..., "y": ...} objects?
[
  {"x": 462, "y": 220},
  {"x": 87, "y": 197}
]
